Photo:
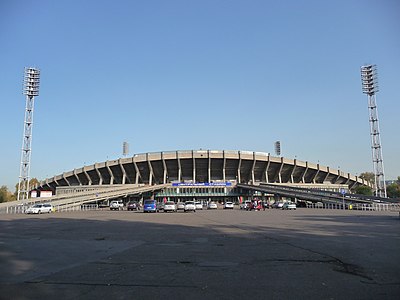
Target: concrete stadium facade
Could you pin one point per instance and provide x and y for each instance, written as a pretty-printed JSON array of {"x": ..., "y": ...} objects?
[{"x": 202, "y": 166}]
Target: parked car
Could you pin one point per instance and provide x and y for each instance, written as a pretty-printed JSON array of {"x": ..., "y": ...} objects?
[
  {"x": 40, "y": 208},
  {"x": 212, "y": 205},
  {"x": 133, "y": 205},
  {"x": 170, "y": 206},
  {"x": 245, "y": 205},
  {"x": 199, "y": 205},
  {"x": 266, "y": 205},
  {"x": 250, "y": 206},
  {"x": 289, "y": 205},
  {"x": 160, "y": 206},
  {"x": 228, "y": 205},
  {"x": 277, "y": 205},
  {"x": 190, "y": 206},
  {"x": 180, "y": 206},
  {"x": 150, "y": 206},
  {"x": 116, "y": 205}
]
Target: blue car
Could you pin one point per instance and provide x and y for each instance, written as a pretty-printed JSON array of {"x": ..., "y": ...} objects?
[{"x": 150, "y": 206}]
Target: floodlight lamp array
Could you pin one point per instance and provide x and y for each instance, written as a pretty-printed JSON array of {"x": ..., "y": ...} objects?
[
  {"x": 369, "y": 78},
  {"x": 31, "y": 82},
  {"x": 278, "y": 148}
]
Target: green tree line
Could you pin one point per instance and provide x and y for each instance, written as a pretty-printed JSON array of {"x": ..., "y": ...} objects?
[
  {"x": 6, "y": 195},
  {"x": 392, "y": 190}
]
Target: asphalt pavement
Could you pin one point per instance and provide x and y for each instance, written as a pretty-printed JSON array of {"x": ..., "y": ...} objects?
[{"x": 219, "y": 254}]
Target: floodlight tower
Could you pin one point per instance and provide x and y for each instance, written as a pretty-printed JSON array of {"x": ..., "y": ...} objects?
[
  {"x": 125, "y": 149},
  {"x": 369, "y": 78},
  {"x": 31, "y": 90},
  {"x": 278, "y": 148}
]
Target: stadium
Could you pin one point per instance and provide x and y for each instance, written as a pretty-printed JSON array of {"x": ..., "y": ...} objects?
[{"x": 197, "y": 175}]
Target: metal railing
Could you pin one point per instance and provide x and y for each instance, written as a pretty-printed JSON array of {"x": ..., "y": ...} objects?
[
  {"x": 21, "y": 209},
  {"x": 356, "y": 206}
]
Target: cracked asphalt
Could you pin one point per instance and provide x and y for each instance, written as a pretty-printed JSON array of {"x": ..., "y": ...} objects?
[{"x": 272, "y": 254}]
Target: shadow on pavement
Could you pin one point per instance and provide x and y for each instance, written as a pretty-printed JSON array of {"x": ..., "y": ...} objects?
[{"x": 243, "y": 257}]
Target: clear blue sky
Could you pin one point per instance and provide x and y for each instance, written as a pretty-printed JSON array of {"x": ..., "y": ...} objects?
[{"x": 177, "y": 75}]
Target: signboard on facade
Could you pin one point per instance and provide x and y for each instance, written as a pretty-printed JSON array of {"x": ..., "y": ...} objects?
[
  {"x": 45, "y": 194},
  {"x": 202, "y": 184}
]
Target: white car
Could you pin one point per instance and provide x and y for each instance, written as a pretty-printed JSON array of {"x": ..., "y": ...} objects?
[
  {"x": 189, "y": 206},
  {"x": 116, "y": 205},
  {"x": 228, "y": 205},
  {"x": 245, "y": 205},
  {"x": 212, "y": 205},
  {"x": 40, "y": 208},
  {"x": 278, "y": 205},
  {"x": 180, "y": 206},
  {"x": 199, "y": 205},
  {"x": 289, "y": 205},
  {"x": 170, "y": 206}
]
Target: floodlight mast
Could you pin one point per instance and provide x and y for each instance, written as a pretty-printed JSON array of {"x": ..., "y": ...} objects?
[
  {"x": 369, "y": 78},
  {"x": 125, "y": 149},
  {"x": 31, "y": 90},
  {"x": 278, "y": 148}
]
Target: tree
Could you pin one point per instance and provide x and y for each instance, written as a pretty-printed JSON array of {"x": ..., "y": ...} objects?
[
  {"x": 393, "y": 190},
  {"x": 369, "y": 176},
  {"x": 5, "y": 194},
  {"x": 32, "y": 183},
  {"x": 363, "y": 190}
]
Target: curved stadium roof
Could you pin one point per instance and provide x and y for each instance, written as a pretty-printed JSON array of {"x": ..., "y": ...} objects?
[{"x": 201, "y": 166}]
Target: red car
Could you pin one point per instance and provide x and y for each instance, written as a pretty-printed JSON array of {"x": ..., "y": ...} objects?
[{"x": 133, "y": 206}]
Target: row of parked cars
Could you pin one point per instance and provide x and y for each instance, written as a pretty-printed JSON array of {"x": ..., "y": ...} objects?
[
  {"x": 259, "y": 205},
  {"x": 169, "y": 206},
  {"x": 150, "y": 205}
]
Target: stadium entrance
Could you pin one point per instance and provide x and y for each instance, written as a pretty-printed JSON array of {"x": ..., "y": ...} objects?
[{"x": 200, "y": 192}]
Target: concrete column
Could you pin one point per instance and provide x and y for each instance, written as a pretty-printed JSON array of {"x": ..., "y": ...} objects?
[
  {"x": 316, "y": 174},
  {"x": 224, "y": 167},
  {"x": 348, "y": 179},
  {"x": 87, "y": 176},
  {"x": 77, "y": 178},
  {"x": 138, "y": 175},
  {"x": 165, "y": 173},
  {"x": 66, "y": 180},
  {"x": 47, "y": 183},
  {"x": 209, "y": 166},
  {"x": 252, "y": 169},
  {"x": 266, "y": 170},
  {"x": 238, "y": 170},
  {"x": 124, "y": 177},
  {"x": 337, "y": 177},
  {"x": 327, "y": 174},
  {"x": 111, "y": 173},
  {"x": 179, "y": 167},
  {"x": 280, "y": 171},
  {"x": 354, "y": 183},
  {"x": 291, "y": 173},
  {"x": 99, "y": 174},
  {"x": 194, "y": 167},
  {"x": 304, "y": 173},
  {"x": 151, "y": 173}
]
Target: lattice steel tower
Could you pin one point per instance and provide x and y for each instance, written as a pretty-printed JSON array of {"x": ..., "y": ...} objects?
[
  {"x": 31, "y": 89},
  {"x": 369, "y": 77}
]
